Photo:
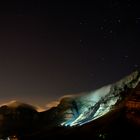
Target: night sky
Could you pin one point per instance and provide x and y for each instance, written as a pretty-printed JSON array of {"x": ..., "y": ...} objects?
[{"x": 49, "y": 49}]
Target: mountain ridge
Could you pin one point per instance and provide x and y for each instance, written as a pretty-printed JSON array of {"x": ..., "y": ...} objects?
[{"x": 74, "y": 115}]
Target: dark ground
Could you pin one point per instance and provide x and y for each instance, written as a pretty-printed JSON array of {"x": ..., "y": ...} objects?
[{"x": 114, "y": 126}]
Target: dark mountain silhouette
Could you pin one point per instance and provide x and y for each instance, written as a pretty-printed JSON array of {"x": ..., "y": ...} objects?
[
  {"x": 111, "y": 112},
  {"x": 16, "y": 117}
]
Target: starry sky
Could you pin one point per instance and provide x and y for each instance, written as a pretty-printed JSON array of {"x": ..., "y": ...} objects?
[{"x": 49, "y": 49}]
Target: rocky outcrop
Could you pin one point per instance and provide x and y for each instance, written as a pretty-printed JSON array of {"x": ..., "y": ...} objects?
[{"x": 90, "y": 106}]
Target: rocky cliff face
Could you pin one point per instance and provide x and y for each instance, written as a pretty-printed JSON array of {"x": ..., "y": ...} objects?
[{"x": 90, "y": 106}]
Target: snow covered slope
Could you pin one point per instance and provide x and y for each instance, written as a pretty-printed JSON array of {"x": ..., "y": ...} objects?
[{"x": 88, "y": 107}]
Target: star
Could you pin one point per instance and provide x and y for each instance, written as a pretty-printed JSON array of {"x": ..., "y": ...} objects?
[
  {"x": 136, "y": 65},
  {"x": 102, "y": 59},
  {"x": 110, "y": 31},
  {"x": 119, "y": 20},
  {"x": 126, "y": 56},
  {"x": 101, "y": 27}
]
